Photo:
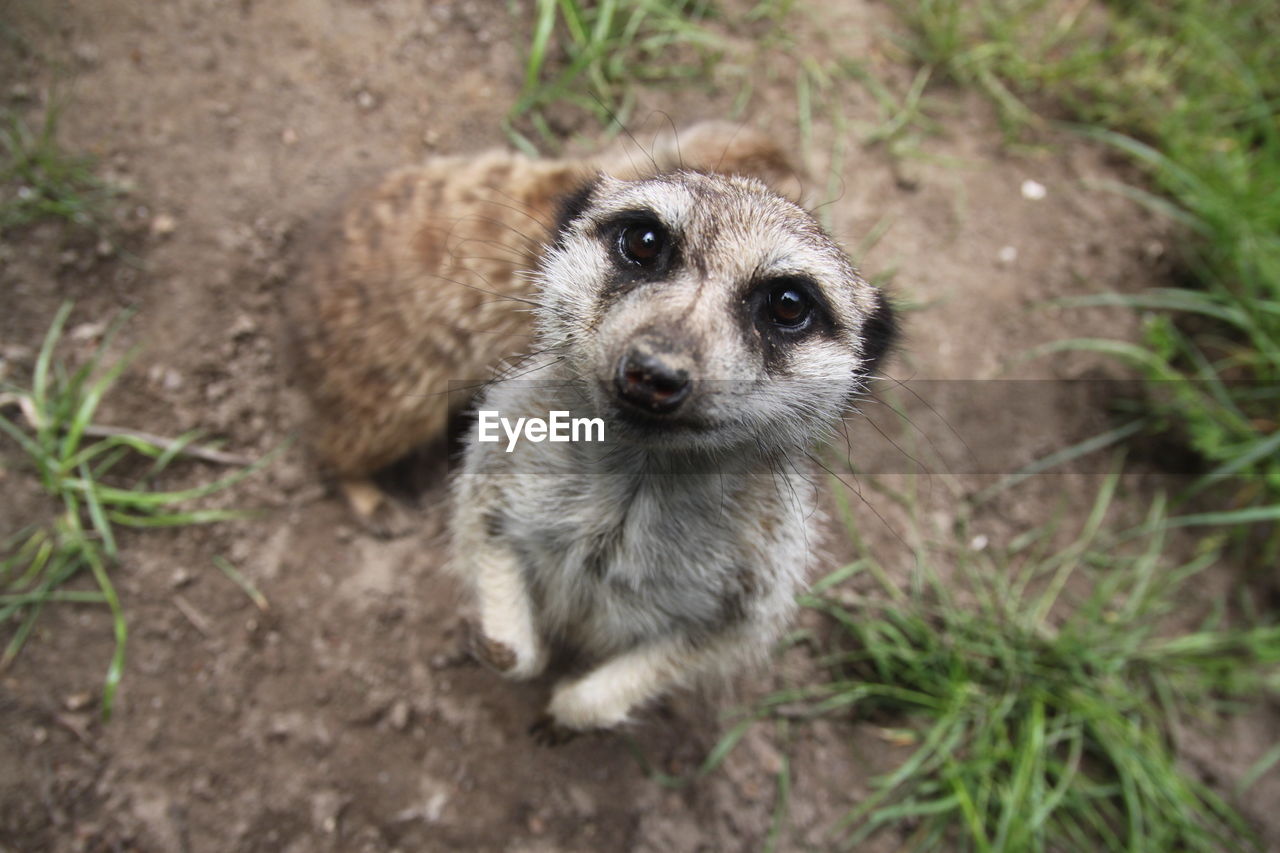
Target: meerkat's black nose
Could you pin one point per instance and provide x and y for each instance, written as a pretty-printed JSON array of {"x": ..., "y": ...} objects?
[{"x": 649, "y": 382}]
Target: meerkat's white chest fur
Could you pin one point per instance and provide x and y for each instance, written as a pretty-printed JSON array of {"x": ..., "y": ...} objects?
[{"x": 620, "y": 546}]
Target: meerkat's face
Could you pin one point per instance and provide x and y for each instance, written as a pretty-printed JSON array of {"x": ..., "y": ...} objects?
[{"x": 706, "y": 311}]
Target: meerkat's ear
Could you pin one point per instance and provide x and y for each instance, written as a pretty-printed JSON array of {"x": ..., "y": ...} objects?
[
  {"x": 571, "y": 205},
  {"x": 880, "y": 333}
]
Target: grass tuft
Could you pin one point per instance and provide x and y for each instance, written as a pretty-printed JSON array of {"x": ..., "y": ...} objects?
[
  {"x": 40, "y": 180},
  {"x": 592, "y": 55},
  {"x": 90, "y": 500},
  {"x": 1038, "y": 692}
]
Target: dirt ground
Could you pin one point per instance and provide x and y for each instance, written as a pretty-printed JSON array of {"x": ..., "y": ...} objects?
[{"x": 345, "y": 718}]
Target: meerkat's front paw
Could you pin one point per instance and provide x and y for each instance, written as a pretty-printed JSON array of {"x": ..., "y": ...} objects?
[
  {"x": 573, "y": 711},
  {"x": 504, "y": 656},
  {"x": 587, "y": 704}
]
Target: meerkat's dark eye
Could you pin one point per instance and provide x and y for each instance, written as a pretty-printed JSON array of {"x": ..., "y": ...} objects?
[
  {"x": 642, "y": 242},
  {"x": 788, "y": 305}
]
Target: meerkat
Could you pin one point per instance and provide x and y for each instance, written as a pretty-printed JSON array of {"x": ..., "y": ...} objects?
[
  {"x": 418, "y": 285},
  {"x": 719, "y": 335}
]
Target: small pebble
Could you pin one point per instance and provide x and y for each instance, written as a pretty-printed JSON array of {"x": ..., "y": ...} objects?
[
  {"x": 1033, "y": 190},
  {"x": 87, "y": 54},
  {"x": 77, "y": 701},
  {"x": 435, "y": 806},
  {"x": 87, "y": 331},
  {"x": 163, "y": 225},
  {"x": 243, "y": 326},
  {"x": 399, "y": 715},
  {"x": 1007, "y": 255}
]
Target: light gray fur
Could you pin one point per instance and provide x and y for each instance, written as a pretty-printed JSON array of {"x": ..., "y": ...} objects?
[{"x": 660, "y": 558}]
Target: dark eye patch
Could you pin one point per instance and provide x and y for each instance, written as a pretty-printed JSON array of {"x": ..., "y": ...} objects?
[
  {"x": 789, "y": 307},
  {"x": 571, "y": 206},
  {"x": 880, "y": 332},
  {"x": 782, "y": 311},
  {"x": 641, "y": 248}
]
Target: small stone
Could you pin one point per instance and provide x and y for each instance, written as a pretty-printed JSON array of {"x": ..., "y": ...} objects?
[
  {"x": 181, "y": 577},
  {"x": 104, "y": 248},
  {"x": 283, "y": 725},
  {"x": 163, "y": 225},
  {"x": 86, "y": 54},
  {"x": 243, "y": 326},
  {"x": 435, "y": 807},
  {"x": 87, "y": 331},
  {"x": 39, "y": 735},
  {"x": 979, "y": 542},
  {"x": 17, "y": 354},
  {"x": 399, "y": 715},
  {"x": 1007, "y": 255},
  {"x": 326, "y": 808},
  {"x": 537, "y": 825},
  {"x": 1033, "y": 190},
  {"x": 77, "y": 701},
  {"x": 908, "y": 174},
  {"x": 365, "y": 100},
  {"x": 289, "y": 136}
]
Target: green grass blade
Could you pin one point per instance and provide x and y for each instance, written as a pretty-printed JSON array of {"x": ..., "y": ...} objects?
[
  {"x": 259, "y": 600},
  {"x": 115, "y": 670},
  {"x": 1058, "y": 458},
  {"x": 98, "y": 517}
]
